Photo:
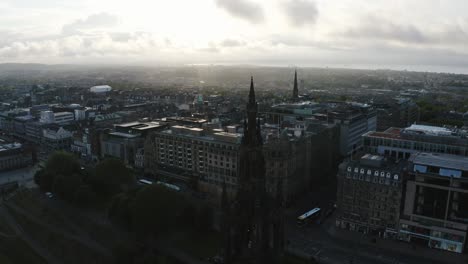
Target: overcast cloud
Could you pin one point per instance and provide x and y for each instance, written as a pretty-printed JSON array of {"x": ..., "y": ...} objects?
[
  {"x": 244, "y": 9},
  {"x": 300, "y": 32},
  {"x": 301, "y": 12}
]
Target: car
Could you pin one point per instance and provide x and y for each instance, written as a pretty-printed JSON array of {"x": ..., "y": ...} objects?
[{"x": 49, "y": 194}]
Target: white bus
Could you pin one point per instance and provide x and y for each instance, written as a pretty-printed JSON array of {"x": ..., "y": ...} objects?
[
  {"x": 146, "y": 182},
  {"x": 170, "y": 186},
  {"x": 308, "y": 216}
]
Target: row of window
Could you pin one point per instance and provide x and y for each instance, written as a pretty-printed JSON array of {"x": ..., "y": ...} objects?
[
  {"x": 367, "y": 178},
  {"x": 376, "y": 172}
]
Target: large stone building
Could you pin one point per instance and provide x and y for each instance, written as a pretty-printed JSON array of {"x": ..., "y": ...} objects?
[
  {"x": 353, "y": 120},
  {"x": 369, "y": 195},
  {"x": 253, "y": 222},
  {"x": 207, "y": 157},
  {"x": 286, "y": 161},
  {"x": 436, "y": 201},
  {"x": 124, "y": 141},
  {"x": 402, "y": 142},
  {"x": 55, "y": 137},
  {"x": 14, "y": 155},
  {"x": 397, "y": 112}
]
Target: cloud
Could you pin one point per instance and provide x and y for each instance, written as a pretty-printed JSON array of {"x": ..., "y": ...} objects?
[
  {"x": 243, "y": 9},
  {"x": 101, "y": 20},
  {"x": 301, "y": 12},
  {"x": 228, "y": 43},
  {"x": 81, "y": 45},
  {"x": 378, "y": 28}
]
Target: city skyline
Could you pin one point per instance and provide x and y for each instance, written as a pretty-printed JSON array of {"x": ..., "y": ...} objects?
[{"x": 349, "y": 34}]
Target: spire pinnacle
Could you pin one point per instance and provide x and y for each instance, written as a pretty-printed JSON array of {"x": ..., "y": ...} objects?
[
  {"x": 296, "y": 89},
  {"x": 251, "y": 92}
]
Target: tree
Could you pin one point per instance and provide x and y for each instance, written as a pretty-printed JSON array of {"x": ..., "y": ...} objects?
[
  {"x": 65, "y": 186},
  {"x": 204, "y": 220},
  {"x": 156, "y": 210},
  {"x": 84, "y": 195},
  {"x": 120, "y": 209},
  {"x": 44, "y": 180},
  {"x": 62, "y": 163},
  {"x": 111, "y": 176}
]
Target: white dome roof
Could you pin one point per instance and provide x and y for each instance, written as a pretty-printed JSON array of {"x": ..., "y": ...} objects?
[{"x": 100, "y": 89}]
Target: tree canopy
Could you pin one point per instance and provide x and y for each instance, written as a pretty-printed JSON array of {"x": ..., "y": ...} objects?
[{"x": 111, "y": 175}]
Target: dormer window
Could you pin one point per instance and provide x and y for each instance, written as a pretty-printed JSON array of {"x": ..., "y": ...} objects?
[
  {"x": 382, "y": 174},
  {"x": 350, "y": 169}
]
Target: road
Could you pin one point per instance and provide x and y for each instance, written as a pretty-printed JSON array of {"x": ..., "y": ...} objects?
[
  {"x": 24, "y": 176},
  {"x": 326, "y": 243}
]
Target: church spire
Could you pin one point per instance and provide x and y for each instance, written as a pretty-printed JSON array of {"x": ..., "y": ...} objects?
[
  {"x": 252, "y": 133},
  {"x": 251, "y": 92},
  {"x": 296, "y": 89}
]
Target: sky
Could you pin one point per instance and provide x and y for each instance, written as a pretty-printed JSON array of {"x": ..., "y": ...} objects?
[{"x": 402, "y": 34}]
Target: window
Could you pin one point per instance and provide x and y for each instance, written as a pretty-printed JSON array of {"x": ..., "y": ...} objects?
[{"x": 420, "y": 168}]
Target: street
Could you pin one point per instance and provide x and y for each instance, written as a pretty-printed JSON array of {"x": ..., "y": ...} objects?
[
  {"x": 24, "y": 176},
  {"x": 329, "y": 244}
]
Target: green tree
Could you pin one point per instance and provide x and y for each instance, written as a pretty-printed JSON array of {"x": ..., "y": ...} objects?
[
  {"x": 204, "y": 221},
  {"x": 59, "y": 164},
  {"x": 84, "y": 195},
  {"x": 156, "y": 210},
  {"x": 62, "y": 163},
  {"x": 65, "y": 186},
  {"x": 120, "y": 209},
  {"x": 111, "y": 176}
]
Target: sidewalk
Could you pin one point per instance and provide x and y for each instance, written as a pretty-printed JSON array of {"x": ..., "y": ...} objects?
[{"x": 397, "y": 247}]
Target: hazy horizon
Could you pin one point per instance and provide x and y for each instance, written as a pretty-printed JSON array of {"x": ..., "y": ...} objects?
[{"x": 416, "y": 35}]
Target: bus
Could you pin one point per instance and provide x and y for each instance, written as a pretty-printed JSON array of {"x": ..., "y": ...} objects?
[
  {"x": 170, "y": 186},
  {"x": 308, "y": 216},
  {"x": 143, "y": 181}
]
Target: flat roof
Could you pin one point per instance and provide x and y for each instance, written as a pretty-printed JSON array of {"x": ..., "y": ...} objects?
[
  {"x": 126, "y": 135},
  {"x": 10, "y": 146},
  {"x": 227, "y": 134},
  {"x": 429, "y": 130},
  {"x": 129, "y": 124},
  {"x": 372, "y": 157},
  {"x": 146, "y": 126},
  {"x": 441, "y": 160}
]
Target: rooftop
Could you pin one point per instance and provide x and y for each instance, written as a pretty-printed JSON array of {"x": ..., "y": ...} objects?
[
  {"x": 441, "y": 160},
  {"x": 429, "y": 130},
  {"x": 5, "y": 146},
  {"x": 424, "y": 133},
  {"x": 125, "y": 135}
]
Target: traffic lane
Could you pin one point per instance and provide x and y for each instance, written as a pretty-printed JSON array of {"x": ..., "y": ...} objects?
[
  {"x": 312, "y": 239},
  {"x": 22, "y": 176}
]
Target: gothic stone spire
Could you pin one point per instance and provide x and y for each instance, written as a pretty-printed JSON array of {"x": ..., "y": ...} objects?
[{"x": 296, "y": 89}]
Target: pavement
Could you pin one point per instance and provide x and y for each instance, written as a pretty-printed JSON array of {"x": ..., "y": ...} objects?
[
  {"x": 329, "y": 244},
  {"x": 24, "y": 176}
]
